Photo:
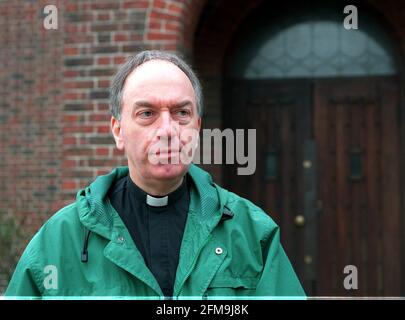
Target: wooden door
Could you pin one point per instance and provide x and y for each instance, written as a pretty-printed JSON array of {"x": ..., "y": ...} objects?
[
  {"x": 327, "y": 171},
  {"x": 357, "y": 135}
]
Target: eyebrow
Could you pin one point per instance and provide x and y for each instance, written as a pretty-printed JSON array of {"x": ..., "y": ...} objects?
[{"x": 147, "y": 104}]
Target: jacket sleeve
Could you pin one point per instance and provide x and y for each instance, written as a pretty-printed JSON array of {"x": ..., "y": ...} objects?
[
  {"x": 278, "y": 277},
  {"x": 23, "y": 282}
]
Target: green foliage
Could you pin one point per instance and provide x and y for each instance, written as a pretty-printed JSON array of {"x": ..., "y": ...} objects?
[{"x": 13, "y": 239}]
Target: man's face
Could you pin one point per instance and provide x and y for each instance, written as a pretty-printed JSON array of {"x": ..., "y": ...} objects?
[{"x": 158, "y": 116}]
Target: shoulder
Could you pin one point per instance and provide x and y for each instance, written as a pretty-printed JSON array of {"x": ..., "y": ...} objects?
[
  {"x": 60, "y": 228},
  {"x": 65, "y": 218},
  {"x": 54, "y": 241}
]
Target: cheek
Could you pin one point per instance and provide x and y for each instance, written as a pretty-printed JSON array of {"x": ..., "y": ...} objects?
[{"x": 139, "y": 141}]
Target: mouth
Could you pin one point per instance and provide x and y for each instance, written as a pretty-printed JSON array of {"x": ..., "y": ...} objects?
[{"x": 167, "y": 152}]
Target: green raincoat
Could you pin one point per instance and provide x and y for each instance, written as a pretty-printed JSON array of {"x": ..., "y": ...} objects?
[{"x": 236, "y": 257}]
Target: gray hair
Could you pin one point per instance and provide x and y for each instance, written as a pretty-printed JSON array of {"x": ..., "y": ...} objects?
[{"x": 117, "y": 86}]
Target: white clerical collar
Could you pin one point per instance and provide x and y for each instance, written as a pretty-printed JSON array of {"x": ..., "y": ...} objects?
[{"x": 157, "y": 202}]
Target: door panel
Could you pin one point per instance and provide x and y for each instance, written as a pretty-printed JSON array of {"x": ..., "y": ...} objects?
[
  {"x": 358, "y": 183},
  {"x": 281, "y": 114},
  {"x": 328, "y": 173}
]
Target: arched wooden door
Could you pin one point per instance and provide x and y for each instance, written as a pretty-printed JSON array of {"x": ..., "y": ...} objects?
[{"x": 328, "y": 153}]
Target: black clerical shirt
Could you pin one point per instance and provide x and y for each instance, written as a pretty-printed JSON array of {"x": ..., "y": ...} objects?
[{"x": 156, "y": 230}]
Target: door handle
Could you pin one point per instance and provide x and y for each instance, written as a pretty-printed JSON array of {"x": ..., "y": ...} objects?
[{"x": 299, "y": 220}]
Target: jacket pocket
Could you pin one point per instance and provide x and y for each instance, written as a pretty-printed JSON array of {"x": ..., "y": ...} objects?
[{"x": 232, "y": 286}]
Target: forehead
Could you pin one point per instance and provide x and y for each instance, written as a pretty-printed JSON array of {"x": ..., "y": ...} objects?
[{"x": 157, "y": 75}]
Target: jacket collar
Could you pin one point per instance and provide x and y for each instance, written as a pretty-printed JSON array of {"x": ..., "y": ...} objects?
[{"x": 97, "y": 214}]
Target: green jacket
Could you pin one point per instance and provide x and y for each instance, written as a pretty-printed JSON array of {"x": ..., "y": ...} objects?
[{"x": 241, "y": 256}]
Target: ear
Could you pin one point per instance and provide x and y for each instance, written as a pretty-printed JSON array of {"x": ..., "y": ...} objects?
[
  {"x": 117, "y": 133},
  {"x": 199, "y": 123}
]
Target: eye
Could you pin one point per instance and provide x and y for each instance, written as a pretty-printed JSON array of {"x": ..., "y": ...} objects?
[
  {"x": 146, "y": 114},
  {"x": 182, "y": 113}
]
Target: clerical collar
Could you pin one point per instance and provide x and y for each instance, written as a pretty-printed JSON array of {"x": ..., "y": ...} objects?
[{"x": 156, "y": 201}]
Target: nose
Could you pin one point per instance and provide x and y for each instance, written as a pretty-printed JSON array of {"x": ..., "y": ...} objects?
[{"x": 168, "y": 128}]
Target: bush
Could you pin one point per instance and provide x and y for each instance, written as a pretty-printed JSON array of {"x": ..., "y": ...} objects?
[{"x": 13, "y": 238}]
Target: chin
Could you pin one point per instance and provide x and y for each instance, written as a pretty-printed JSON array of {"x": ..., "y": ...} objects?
[{"x": 168, "y": 171}]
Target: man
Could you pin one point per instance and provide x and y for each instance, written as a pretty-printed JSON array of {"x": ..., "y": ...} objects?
[{"x": 159, "y": 227}]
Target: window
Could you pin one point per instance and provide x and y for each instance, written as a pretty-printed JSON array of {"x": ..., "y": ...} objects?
[{"x": 315, "y": 47}]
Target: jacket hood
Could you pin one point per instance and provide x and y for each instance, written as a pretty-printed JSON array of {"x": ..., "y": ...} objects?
[{"x": 98, "y": 215}]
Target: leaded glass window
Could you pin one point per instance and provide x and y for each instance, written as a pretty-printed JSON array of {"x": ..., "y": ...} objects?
[{"x": 314, "y": 48}]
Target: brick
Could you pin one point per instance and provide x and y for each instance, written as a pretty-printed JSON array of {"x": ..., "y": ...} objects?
[
  {"x": 71, "y": 28},
  {"x": 77, "y": 129},
  {"x": 159, "y": 4},
  {"x": 104, "y": 107},
  {"x": 69, "y": 185},
  {"x": 78, "y": 152},
  {"x": 71, "y": 96},
  {"x": 105, "y": 6},
  {"x": 70, "y": 118},
  {"x": 97, "y": 117},
  {"x": 78, "y": 62},
  {"x": 79, "y": 38},
  {"x": 175, "y": 8},
  {"x": 102, "y": 163},
  {"x": 103, "y": 84},
  {"x": 69, "y": 141},
  {"x": 104, "y": 129},
  {"x": 104, "y": 27},
  {"x": 103, "y": 16},
  {"x": 164, "y": 16},
  {"x": 78, "y": 107},
  {"x": 171, "y": 26},
  {"x": 79, "y": 17},
  {"x": 103, "y": 60},
  {"x": 136, "y": 37},
  {"x": 102, "y": 151},
  {"x": 71, "y": 7},
  {"x": 79, "y": 174},
  {"x": 133, "y": 48},
  {"x": 155, "y": 25},
  {"x": 101, "y": 72},
  {"x": 78, "y": 84},
  {"x": 69, "y": 51},
  {"x": 139, "y": 4},
  {"x": 104, "y": 37},
  {"x": 134, "y": 25},
  {"x": 71, "y": 73},
  {"x": 119, "y": 60},
  {"x": 102, "y": 94},
  {"x": 101, "y": 140},
  {"x": 161, "y": 36},
  {"x": 105, "y": 49},
  {"x": 121, "y": 37}
]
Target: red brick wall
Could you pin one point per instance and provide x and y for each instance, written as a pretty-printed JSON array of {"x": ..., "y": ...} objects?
[
  {"x": 55, "y": 135},
  {"x": 30, "y": 112},
  {"x": 54, "y": 116}
]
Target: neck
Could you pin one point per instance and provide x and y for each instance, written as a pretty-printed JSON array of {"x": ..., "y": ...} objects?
[{"x": 156, "y": 188}]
